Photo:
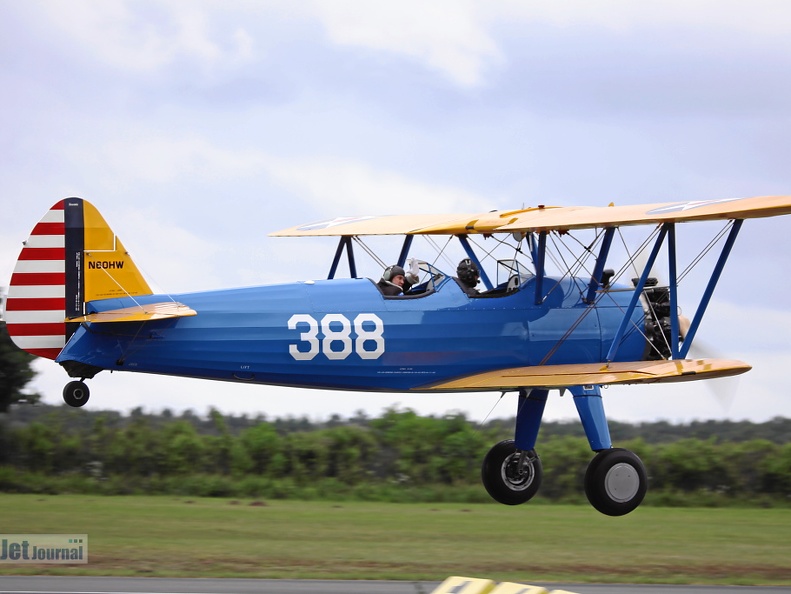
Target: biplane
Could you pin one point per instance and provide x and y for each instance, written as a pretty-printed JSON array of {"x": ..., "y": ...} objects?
[{"x": 77, "y": 297}]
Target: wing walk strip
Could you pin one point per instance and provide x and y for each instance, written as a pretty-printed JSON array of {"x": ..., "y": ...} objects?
[{"x": 561, "y": 376}]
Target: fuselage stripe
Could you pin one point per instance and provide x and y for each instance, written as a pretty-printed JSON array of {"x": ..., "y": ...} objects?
[
  {"x": 33, "y": 341},
  {"x": 45, "y": 241},
  {"x": 47, "y": 353},
  {"x": 36, "y": 304},
  {"x": 43, "y": 253},
  {"x": 49, "y": 228},
  {"x": 38, "y": 278},
  {"x": 40, "y": 329},
  {"x": 40, "y": 266},
  {"x": 38, "y": 316}
]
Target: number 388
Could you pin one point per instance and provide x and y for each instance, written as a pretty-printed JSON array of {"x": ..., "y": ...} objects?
[{"x": 333, "y": 336}]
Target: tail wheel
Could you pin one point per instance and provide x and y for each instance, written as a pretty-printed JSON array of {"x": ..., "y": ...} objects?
[
  {"x": 76, "y": 394},
  {"x": 616, "y": 482},
  {"x": 511, "y": 476}
]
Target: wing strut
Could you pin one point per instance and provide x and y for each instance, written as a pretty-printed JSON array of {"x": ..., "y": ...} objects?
[
  {"x": 405, "y": 249},
  {"x": 669, "y": 230},
  {"x": 598, "y": 270},
  {"x": 345, "y": 242},
  {"x": 542, "y": 252},
  {"x": 638, "y": 290},
  {"x": 715, "y": 276},
  {"x": 671, "y": 258}
]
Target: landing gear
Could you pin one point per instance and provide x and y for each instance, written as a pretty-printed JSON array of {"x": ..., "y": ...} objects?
[
  {"x": 511, "y": 476},
  {"x": 615, "y": 482},
  {"x": 76, "y": 393}
]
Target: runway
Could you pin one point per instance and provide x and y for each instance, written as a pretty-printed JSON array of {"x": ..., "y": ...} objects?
[{"x": 135, "y": 585}]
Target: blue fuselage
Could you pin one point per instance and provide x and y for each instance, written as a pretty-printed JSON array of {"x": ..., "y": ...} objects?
[{"x": 344, "y": 334}]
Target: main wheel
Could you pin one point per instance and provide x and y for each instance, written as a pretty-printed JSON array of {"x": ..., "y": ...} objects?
[
  {"x": 616, "y": 482},
  {"x": 76, "y": 393},
  {"x": 511, "y": 476}
]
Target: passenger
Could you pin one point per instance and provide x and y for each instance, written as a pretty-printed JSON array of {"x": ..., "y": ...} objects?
[
  {"x": 468, "y": 275},
  {"x": 392, "y": 282}
]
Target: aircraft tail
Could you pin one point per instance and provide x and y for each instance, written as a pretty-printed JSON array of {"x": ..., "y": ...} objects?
[{"x": 71, "y": 257}]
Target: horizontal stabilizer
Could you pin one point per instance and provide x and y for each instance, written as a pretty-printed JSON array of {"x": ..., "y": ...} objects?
[
  {"x": 139, "y": 313},
  {"x": 630, "y": 372}
]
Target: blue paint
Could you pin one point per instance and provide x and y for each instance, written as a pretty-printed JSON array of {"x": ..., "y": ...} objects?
[
  {"x": 528, "y": 418},
  {"x": 243, "y": 334},
  {"x": 590, "y": 407}
]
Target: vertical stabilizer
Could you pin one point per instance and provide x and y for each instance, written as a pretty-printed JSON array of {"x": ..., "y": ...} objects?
[{"x": 71, "y": 257}]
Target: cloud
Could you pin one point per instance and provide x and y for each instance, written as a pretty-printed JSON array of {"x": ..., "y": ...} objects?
[
  {"x": 144, "y": 37},
  {"x": 446, "y": 35},
  {"x": 768, "y": 17},
  {"x": 330, "y": 185},
  {"x": 351, "y": 187},
  {"x": 458, "y": 40}
]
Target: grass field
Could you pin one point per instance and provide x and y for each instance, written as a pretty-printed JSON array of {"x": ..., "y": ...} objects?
[{"x": 164, "y": 536}]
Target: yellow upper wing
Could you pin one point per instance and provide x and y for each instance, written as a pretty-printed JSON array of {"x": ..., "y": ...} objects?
[
  {"x": 560, "y": 376},
  {"x": 547, "y": 218}
]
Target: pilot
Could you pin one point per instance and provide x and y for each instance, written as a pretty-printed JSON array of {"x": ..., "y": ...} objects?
[
  {"x": 468, "y": 275},
  {"x": 392, "y": 281}
]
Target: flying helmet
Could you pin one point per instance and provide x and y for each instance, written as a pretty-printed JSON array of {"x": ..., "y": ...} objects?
[
  {"x": 467, "y": 272},
  {"x": 392, "y": 271}
]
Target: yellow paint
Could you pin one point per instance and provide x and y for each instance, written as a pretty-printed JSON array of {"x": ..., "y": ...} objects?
[
  {"x": 464, "y": 585},
  {"x": 554, "y": 218},
  {"x": 467, "y": 585},
  {"x": 97, "y": 233},
  {"x": 631, "y": 372},
  {"x": 512, "y": 588},
  {"x": 141, "y": 313},
  {"x": 108, "y": 268}
]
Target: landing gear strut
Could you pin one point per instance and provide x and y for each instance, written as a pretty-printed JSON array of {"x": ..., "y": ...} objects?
[{"x": 76, "y": 393}]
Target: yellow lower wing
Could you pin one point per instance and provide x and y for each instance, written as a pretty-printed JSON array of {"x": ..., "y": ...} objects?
[
  {"x": 561, "y": 376},
  {"x": 139, "y": 313}
]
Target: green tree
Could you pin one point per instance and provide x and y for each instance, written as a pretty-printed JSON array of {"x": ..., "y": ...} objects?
[
  {"x": 349, "y": 451},
  {"x": 15, "y": 372},
  {"x": 184, "y": 449},
  {"x": 261, "y": 444}
]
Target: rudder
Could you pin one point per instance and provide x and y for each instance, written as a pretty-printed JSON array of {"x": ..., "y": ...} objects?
[{"x": 71, "y": 257}]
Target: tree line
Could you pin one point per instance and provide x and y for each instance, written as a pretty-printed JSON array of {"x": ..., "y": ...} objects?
[{"x": 398, "y": 456}]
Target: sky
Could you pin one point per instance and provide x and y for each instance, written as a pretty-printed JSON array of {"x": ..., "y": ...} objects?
[{"x": 199, "y": 127}]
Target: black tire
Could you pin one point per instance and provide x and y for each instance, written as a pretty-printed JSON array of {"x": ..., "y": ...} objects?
[
  {"x": 76, "y": 394},
  {"x": 503, "y": 478},
  {"x": 616, "y": 482}
]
